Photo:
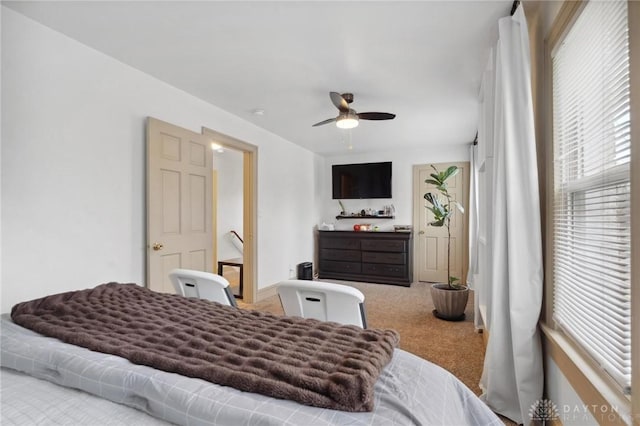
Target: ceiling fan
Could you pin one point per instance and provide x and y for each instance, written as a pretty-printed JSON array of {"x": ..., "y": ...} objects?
[{"x": 348, "y": 118}]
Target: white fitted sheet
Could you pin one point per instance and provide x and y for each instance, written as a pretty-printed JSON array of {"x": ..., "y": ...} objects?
[{"x": 30, "y": 401}]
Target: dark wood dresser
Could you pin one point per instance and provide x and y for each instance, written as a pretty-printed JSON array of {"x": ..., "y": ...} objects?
[{"x": 377, "y": 257}]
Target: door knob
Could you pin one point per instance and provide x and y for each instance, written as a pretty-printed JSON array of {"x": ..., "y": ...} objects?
[
  {"x": 421, "y": 232},
  {"x": 157, "y": 246}
]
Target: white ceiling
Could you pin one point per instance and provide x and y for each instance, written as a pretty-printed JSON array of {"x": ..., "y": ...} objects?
[{"x": 421, "y": 60}]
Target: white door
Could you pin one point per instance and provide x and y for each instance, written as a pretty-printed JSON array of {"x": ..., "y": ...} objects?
[
  {"x": 179, "y": 197},
  {"x": 430, "y": 241}
]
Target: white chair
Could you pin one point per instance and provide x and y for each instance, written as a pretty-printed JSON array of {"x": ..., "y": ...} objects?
[
  {"x": 203, "y": 285},
  {"x": 322, "y": 301}
]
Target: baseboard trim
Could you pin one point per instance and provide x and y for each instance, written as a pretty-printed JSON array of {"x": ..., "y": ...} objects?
[
  {"x": 485, "y": 338},
  {"x": 266, "y": 292}
]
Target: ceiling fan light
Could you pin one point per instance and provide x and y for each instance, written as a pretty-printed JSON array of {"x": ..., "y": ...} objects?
[{"x": 348, "y": 121}]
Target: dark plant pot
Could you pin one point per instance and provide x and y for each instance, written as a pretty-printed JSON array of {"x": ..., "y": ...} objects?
[{"x": 449, "y": 303}]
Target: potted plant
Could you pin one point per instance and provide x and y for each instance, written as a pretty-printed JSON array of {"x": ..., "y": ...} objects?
[{"x": 449, "y": 299}]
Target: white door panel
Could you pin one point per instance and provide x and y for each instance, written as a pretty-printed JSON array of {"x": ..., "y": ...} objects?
[
  {"x": 431, "y": 242},
  {"x": 179, "y": 192}
]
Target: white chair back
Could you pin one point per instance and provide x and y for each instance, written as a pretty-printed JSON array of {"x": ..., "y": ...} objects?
[
  {"x": 323, "y": 301},
  {"x": 202, "y": 285}
]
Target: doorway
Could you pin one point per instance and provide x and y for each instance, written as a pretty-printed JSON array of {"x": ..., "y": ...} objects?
[
  {"x": 229, "y": 216},
  {"x": 182, "y": 206},
  {"x": 225, "y": 257}
]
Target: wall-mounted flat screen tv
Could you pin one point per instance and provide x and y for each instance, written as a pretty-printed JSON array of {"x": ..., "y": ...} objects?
[{"x": 365, "y": 180}]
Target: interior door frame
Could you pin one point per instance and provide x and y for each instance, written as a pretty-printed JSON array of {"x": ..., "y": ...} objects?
[{"x": 250, "y": 210}]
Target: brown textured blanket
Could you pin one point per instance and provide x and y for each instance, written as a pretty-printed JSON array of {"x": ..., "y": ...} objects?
[{"x": 312, "y": 362}]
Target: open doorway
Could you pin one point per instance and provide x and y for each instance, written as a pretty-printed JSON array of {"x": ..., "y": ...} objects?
[
  {"x": 229, "y": 215},
  {"x": 234, "y": 259}
]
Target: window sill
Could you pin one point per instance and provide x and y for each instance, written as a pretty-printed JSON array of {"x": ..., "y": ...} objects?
[{"x": 600, "y": 396}]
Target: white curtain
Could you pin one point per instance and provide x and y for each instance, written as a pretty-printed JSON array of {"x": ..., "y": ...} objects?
[
  {"x": 512, "y": 379},
  {"x": 472, "y": 212}
]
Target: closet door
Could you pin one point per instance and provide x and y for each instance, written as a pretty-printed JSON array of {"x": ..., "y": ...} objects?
[{"x": 431, "y": 242}]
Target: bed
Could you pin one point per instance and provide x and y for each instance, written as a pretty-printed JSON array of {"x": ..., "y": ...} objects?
[{"x": 42, "y": 375}]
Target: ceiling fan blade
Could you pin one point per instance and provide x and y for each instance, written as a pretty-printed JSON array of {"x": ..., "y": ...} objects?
[
  {"x": 376, "y": 116},
  {"x": 339, "y": 101},
  {"x": 327, "y": 121}
]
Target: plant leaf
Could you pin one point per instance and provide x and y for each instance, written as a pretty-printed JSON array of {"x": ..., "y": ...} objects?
[
  {"x": 429, "y": 197},
  {"x": 437, "y": 178},
  {"x": 451, "y": 172}
]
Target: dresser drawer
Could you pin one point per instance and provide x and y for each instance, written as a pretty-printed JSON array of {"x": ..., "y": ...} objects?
[
  {"x": 384, "y": 245},
  {"x": 335, "y": 266},
  {"x": 376, "y": 257},
  {"x": 337, "y": 254},
  {"x": 384, "y": 270},
  {"x": 340, "y": 243},
  {"x": 382, "y": 257}
]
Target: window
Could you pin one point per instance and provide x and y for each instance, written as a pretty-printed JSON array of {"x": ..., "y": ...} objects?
[{"x": 592, "y": 187}]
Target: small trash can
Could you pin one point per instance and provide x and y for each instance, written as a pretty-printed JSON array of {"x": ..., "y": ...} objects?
[{"x": 305, "y": 271}]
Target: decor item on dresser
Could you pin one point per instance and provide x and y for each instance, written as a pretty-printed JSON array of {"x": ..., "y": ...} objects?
[
  {"x": 376, "y": 257},
  {"x": 450, "y": 299}
]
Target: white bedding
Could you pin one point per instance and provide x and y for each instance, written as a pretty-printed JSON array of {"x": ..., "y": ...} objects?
[
  {"x": 409, "y": 391},
  {"x": 30, "y": 401}
]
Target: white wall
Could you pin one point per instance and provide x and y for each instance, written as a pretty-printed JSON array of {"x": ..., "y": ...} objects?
[
  {"x": 401, "y": 184},
  {"x": 1, "y": 9},
  {"x": 570, "y": 408},
  {"x": 73, "y": 137}
]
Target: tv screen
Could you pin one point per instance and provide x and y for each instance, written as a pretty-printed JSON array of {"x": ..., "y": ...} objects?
[{"x": 365, "y": 180}]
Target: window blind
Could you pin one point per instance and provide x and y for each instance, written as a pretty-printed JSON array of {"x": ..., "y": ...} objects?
[{"x": 592, "y": 189}]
